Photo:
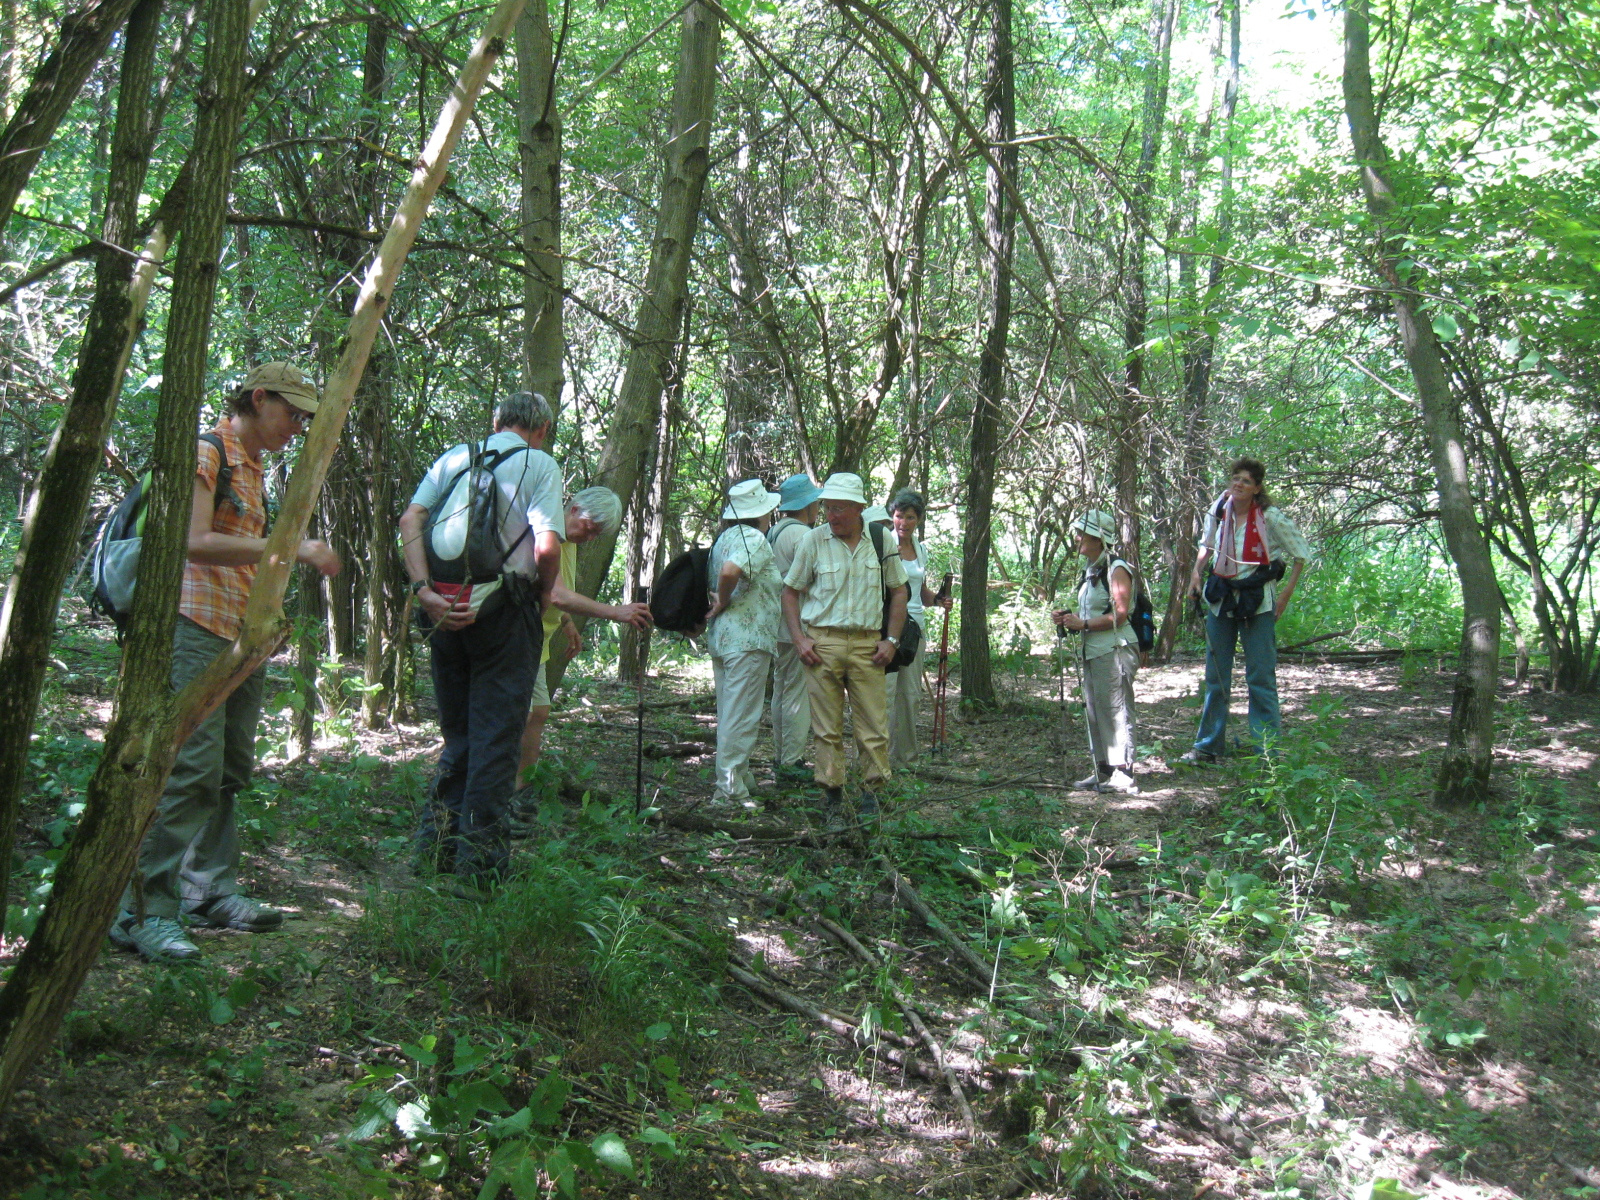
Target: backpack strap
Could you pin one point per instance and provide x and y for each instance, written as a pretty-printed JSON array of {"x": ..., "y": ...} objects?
[{"x": 224, "y": 488}]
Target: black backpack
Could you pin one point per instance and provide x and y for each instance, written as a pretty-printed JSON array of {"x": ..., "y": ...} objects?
[
  {"x": 114, "y": 567},
  {"x": 910, "y": 632},
  {"x": 681, "y": 596},
  {"x": 462, "y": 536},
  {"x": 1141, "y": 616}
]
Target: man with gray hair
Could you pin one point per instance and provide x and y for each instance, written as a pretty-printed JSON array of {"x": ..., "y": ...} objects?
[
  {"x": 486, "y": 640},
  {"x": 592, "y": 512}
]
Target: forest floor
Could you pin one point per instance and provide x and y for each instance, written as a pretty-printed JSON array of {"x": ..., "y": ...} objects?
[{"x": 1288, "y": 980}]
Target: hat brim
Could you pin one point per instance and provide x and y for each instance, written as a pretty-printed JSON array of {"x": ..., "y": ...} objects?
[
  {"x": 772, "y": 501},
  {"x": 805, "y": 500},
  {"x": 838, "y": 494}
]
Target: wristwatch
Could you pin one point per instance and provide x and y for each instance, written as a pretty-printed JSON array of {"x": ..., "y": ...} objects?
[
  {"x": 417, "y": 585},
  {"x": 893, "y": 641}
]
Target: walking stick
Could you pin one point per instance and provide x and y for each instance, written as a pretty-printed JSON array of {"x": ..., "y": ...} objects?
[
  {"x": 641, "y": 595},
  {"x": 1066, "y": 718},
  {"x": 943, "y": 679}
]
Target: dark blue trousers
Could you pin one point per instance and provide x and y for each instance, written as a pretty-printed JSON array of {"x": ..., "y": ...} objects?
[{"x": 483, "y": 678}]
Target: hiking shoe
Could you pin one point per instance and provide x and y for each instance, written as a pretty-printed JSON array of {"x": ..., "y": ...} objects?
[
  {"x": 157, "y": 939},
  {"x": 1120, "y": 781},
  {"x": 1089, "y": 783},
  {"x": 234, "y": 912},
  {"x": 1197, "y": 758}
]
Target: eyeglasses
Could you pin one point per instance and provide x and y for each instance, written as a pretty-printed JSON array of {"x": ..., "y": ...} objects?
[{"x": 298, "y": 415}]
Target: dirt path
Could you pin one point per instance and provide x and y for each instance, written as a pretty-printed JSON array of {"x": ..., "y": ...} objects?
[{"x": 1151, "y": 1039}]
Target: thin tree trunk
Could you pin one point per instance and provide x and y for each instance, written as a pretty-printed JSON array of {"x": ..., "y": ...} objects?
[
  {"x": 1130, "y": 435},
  {"x": 1464, "y": 773},
  {"x": 150, "y": 723},
  {"x": 539, "y": 144},
  {"x": 55, "y": 515},
  {"x": 1197, "y": 363},
  {"x": 140, "y": 742},
  {"x": 999, "y": 222},
  {"x": 651, "y": 361},
  {"x": 85, "y": 34}
]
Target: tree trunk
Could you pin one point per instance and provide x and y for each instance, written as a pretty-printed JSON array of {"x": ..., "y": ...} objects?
[
  {"x": 54, "y": 522},
  {"x": 1197, "y": 363},
  {"x": 1130, "y": 435},
  {"x": 999, "y": 223},
  {"x": 1464, "y": 773},
  {"x": 150, "y": 723},
  {"x": 651, "y": 361},
  {"x": 85, "y": 34},
  {"x": 539, "y": 145},
  {"x": 140, "y": 742}
]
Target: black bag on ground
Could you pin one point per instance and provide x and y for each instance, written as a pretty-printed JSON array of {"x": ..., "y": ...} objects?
[
  {"x": 681, "y": 596},
  {"x": 911, "y": 633},
  {"x": 114, "y": 567}
]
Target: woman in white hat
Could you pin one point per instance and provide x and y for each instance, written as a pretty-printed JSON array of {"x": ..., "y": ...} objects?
[
  {"x": 1110, "y": 653},
  {"x": 742, "y": 629}
]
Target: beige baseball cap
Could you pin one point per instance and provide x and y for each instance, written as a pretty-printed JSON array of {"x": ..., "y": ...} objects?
[{"x": 286, "y": 380}]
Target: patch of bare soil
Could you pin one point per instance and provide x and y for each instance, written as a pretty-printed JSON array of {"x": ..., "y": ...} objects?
[{"x": 1165, "y": 1060}]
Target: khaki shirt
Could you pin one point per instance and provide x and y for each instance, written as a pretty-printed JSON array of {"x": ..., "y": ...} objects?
[{"x": 843, "y": 588}]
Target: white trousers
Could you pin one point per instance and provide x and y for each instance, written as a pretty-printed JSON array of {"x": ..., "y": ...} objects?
[
  {"x": 905, "y": 696},
  {"x": 741, "y": 692},
  {"x": 791, "y": 708}
]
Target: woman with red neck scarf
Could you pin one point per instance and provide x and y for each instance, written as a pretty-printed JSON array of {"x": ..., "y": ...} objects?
[{"x": 1248, "y": 546}]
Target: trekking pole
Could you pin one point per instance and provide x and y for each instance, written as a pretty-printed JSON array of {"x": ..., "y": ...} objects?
[
  {"x": 641, "y": 595},
  {"x": 943, "y": 678},
  {"x": 1061, "y": 675}
]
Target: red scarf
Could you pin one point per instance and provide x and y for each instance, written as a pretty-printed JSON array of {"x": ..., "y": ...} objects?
[{"x": 1255, "y": 542}]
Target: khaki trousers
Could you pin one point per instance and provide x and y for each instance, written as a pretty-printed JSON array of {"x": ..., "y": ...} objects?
[
  {"x": 791, "y": 707},
  {"x": 1108, "y": 701},
  {"x": 847, "y": 666}
]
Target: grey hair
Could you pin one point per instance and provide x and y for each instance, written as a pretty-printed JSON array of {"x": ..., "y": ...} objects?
[
  {"x": 524, "y": 410},
  {"x": 600, "y": 504}
]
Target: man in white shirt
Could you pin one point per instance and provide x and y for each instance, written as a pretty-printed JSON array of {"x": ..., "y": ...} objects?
[
  {"x": 486, "y": 651},
  {"x": 833, "y": 603}
]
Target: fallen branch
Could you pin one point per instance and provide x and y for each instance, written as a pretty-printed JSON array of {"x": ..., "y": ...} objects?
[
  {"x": 677, "y": 749},
  {"x": 1327, "y": 637},
  {"x": 976, "y": 967},
  {"x": 848, "y": 940}
]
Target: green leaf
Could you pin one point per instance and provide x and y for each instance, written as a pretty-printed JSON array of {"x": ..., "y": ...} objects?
[
  {"x": 612, "y": 1152},
  {"x": 1383, "y": 1189},
  {"x": 221, "y": 1011},
  {"x": 1444, "y": 325},
  {"x": 658, "y": 1032}
]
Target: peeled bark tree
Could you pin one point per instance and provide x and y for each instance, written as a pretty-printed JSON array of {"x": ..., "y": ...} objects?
[
  {"x": 85, "y": 34},
  {"x": 1464, "y": 773},
  {"x": 56, "y": 511},
  {"x": 150, "y": 723},
  {"x": 652, "y": 362},
  {"x": 999, "y": 225}
]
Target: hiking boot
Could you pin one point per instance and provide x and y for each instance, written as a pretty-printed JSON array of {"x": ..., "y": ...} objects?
[
  {"x": 1197, "y": 758},
  {"x": 157, "y": 939},
  {"x": 524, "y": 801},
  {"x": 867, "y": 808},
  {"x": 1120, "y": 781},
  {"x": 832, "y": 807},
  {"x": 1089, "y": 783},
  {"x": 234, "y": 912}
]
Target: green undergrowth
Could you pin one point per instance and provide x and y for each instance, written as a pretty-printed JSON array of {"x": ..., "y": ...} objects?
[{"x": 571, "y": 1042}]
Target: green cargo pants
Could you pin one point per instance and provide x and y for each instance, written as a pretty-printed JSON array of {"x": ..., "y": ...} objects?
[{"x": 192, "y": 850}]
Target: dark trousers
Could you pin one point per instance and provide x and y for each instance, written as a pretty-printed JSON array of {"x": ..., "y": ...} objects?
[{"x": 483, "y": 679}]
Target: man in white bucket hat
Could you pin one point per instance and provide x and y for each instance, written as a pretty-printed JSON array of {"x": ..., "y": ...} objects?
[
  {"x": 742, "y": 629},
  {"x": 1110, "y": 655},
  {"x": 833, "y": 603}
]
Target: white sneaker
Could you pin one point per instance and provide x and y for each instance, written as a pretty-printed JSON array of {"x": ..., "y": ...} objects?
[
  {"x": 1089, "y": 783},
  {"x": 1121, "y": 781}
]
